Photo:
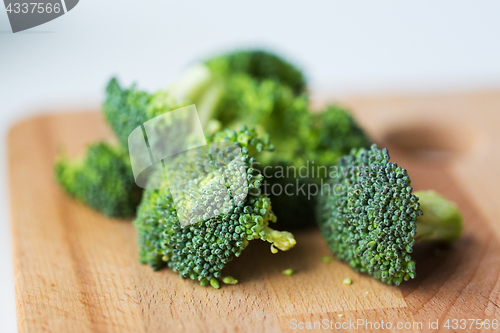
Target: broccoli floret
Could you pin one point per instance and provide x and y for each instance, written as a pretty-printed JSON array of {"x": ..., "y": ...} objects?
[
  {"x": 208, "y": 84},
  {"x": 126, "y": 109},
  {"x": 204, "y": 82},
  {"x": 200, "y": 251},
  {"x": 259, "y": 65},
  {"x": 371, "y": 219},
  {"x": 269, "y": 106},
  {"x": 262, "y": 90},
  {"x": 334, "y": 133},
  {"x": 102, "y": 179}
]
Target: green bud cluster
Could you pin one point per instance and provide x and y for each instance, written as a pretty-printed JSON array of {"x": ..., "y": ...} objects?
[
  {"x": 200, "y": 251},
  {"x": 369, "y": 219},
  {"x": 102, "y": 179}
]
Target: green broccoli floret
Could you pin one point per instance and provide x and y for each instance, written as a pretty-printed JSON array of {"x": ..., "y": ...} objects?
[
  {"x": 259, "y": 65},
  {"x": 269, "y": 106},
  {"x": 334, "y": 133},
  {"x": 102, "y": 179},
  {"x": 371, "y": 219},
  {"x": 200, "y": 251},
  {"x": 205, "y": 83},
  {"x": 126, "y": 109}
]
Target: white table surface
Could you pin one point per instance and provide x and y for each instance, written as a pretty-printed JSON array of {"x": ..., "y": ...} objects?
[{"x": 356, "y": 47}]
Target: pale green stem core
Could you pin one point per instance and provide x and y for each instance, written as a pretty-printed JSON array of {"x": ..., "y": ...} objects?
[
  {"x": 198, "y": 86},
  {"x": 282, "y": 240},
  {"x": 441, "y": 221}
]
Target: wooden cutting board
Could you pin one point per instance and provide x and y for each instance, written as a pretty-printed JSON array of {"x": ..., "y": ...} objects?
[{"x": 77, "y": 271}]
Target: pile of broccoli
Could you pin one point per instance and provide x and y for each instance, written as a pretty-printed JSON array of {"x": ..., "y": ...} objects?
[
  {"x": 259, "y": 89},
  {"x": 248, "y": 98}
]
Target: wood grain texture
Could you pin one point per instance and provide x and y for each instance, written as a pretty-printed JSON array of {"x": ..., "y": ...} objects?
[{"x": 77, "y": 271}]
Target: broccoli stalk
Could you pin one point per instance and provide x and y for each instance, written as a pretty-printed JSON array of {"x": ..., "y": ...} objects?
[
  {"x": 219, "y": 85},
  {"x": 199, "y": 86},
  {"x": 371, "y": 219},
  {"x": 441, "y": 220},
  {"x": 201, "y": 250},
  {"x": 199, "y": 81}
]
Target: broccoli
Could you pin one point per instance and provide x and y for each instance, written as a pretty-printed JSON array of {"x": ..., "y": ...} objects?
[
  {"x": 302, "y": 138},
  {"x": 259, "y": 65},
  {"x": 254, "y": 88},
  {"x": 102, "y": 179},
  {"x": 371, "y": 219},
  {"x": 126, "y": 109},
  {"x": 334, "y": 132},
  {"x": 205, "y": 84},
  {"x": 200, "y": 251},
  {"x": 258, "y": 89}
]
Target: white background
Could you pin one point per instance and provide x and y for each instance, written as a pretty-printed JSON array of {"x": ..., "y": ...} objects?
[{"x": 345, "y": 47}]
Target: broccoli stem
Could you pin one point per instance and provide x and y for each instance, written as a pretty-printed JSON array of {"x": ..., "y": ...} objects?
[
  {"x": 283, "y": 240},
  {"x": 199, "y": 86},
  {"x": 441, "y": 220}
]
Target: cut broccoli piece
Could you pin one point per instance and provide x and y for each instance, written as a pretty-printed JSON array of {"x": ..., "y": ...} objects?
[
  {"x": 259, "y": 65},
  {"x": 200, "y": 251},
  {"x": 254, "y": 88},
  {"x": 262, "y": 90},
  {"x": 126, "y": 109},
  {"x": 209, "y": 84},
  {"x": 205, "y": 82},
  {"x": 371, "y": 219},
  {"x": 334, "y": 134},
  {"x": 102, "y": 179}
]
